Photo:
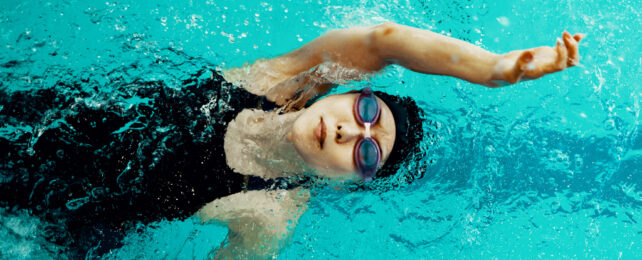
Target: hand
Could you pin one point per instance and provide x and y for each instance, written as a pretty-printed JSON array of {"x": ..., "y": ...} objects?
[{"x": 537, "y": 62}]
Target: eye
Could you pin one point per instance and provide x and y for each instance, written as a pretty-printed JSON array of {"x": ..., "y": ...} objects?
[{"x": 338, "y": 136}]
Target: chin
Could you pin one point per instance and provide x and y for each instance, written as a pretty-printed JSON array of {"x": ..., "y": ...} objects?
[{"x": 303, "y": 139}]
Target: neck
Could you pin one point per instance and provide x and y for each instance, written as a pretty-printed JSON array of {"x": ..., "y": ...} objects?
[{"x": 256, "y": 144}]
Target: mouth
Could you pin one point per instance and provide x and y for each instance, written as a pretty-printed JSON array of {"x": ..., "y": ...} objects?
[{"x": 319, "y": 132}]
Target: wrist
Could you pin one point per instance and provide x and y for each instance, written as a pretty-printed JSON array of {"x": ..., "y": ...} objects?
[
  {"x": 507, "y": 69},
  {"x": 501, "y": 66}
]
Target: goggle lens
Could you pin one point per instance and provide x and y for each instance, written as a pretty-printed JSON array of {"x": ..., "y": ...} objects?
[
  {"x": 368, "y": 109},
  {"x": 368, "y": 152}
]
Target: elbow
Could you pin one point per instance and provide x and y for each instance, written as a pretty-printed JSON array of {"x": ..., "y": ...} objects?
[
  {"x": 384, "y": 29},
  {"x": 381, "y": 32},
  {"x": 381, "y": 36}
]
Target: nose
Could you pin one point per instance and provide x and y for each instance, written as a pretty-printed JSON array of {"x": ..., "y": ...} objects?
[{"x": 347, "y": 132}]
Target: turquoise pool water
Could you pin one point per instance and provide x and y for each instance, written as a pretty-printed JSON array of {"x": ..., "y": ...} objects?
[{"x": 549, "y": 168}]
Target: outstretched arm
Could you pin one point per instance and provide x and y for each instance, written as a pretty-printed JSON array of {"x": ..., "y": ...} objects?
[{"x": 370, "y": 49}]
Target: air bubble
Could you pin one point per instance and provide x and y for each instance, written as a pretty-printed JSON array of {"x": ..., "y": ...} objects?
[{"x": 503, "y": 20}]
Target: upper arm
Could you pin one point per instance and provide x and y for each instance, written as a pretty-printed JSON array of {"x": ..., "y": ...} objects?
[{"x": 349, "y": 50}]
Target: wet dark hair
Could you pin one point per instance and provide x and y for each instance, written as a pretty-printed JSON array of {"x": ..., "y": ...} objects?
[{"x": 409, "y": 132}]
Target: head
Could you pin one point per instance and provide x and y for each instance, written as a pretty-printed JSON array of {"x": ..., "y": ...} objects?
[{"x": 326, "y": 133}]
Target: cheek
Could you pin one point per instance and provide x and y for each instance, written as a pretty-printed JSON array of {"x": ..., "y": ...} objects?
[
  {"x": 333, "y": 159},
  {"x": 339, "y": 158}
]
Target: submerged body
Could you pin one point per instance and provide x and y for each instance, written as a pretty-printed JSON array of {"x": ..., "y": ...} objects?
[{"x": 99, "y": 170}]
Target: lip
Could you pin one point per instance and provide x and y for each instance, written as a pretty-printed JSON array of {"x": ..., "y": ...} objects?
[{"x": 319, "y": 132}]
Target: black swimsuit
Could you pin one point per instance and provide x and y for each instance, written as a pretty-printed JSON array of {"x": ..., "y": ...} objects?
[{"x": 100, "y": 164}]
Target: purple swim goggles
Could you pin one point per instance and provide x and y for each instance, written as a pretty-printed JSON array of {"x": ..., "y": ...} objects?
[{"x": 367, "y": 154}]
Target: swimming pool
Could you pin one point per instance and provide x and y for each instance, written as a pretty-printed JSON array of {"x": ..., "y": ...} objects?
[{"x": 548, "y": 168}]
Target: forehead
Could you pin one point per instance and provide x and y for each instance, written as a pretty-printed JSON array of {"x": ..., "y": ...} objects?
[{"x": 385, "y": 130}]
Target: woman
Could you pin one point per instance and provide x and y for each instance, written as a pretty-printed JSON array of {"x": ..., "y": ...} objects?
[
  {"x": 341, "y": 55},
  {"x": 106, "y": 167}
]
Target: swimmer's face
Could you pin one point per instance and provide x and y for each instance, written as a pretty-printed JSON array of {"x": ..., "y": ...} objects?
[{"x": 326, "y": 133}]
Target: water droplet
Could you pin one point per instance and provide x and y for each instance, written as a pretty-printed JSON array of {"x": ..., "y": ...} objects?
[{"x": 503, "y": 20}]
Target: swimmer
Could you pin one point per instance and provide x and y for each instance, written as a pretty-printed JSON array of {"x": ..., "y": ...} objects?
[
  {"x": 349, "y": 135},
  {"x": 215, "y": 152}
]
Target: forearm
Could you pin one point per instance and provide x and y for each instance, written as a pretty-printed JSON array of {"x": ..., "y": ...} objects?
[{"x": 431, "y": 53}]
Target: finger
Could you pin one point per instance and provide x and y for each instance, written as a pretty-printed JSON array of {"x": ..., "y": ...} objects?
[
  {"x": 562, "y": 55},
  {"x": 571, "y": 48},
  {"x": 579, "y": 36}
]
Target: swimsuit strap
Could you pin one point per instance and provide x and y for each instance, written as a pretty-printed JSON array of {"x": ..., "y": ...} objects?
[
  {"x": 258, "y": 183},
  {"x": 265, "y": 104}
]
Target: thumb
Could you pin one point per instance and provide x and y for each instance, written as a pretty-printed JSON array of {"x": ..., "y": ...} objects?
[
  {"x": 524, "y": 61},
  {"x": 521, "y": 66}
]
